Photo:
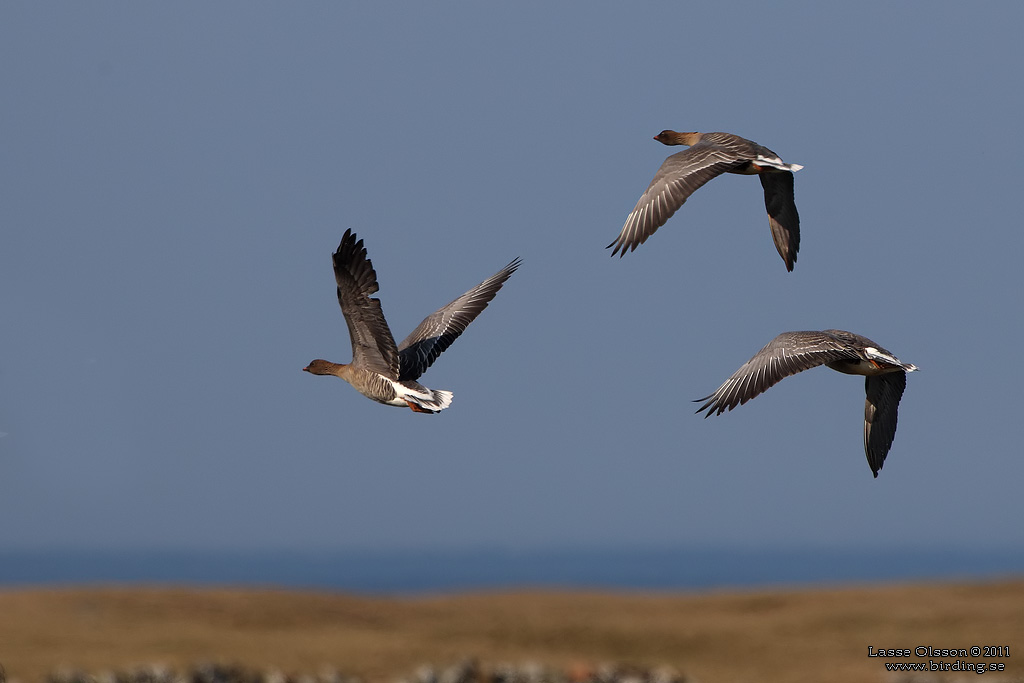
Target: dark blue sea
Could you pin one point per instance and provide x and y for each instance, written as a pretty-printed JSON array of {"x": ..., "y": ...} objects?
[{"x": 430, "y": 571}]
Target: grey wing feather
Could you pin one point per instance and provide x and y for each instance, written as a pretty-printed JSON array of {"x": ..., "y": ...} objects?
[
  {"x": 880, "y": 413},
  {"x": 783, "y": 218},
  {"x": 373, "y": 347},
  {"x": 787, "y": 354},
  {"x": 440, "y": 329},
  {"x": 680, "y": 176}
]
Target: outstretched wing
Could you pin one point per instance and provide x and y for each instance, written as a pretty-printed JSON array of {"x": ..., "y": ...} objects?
[
  {"x": 783, "y": 219},
  {"x": 440, "y": 329},
  {"x": 680, "y": 176},
  {"x": 373, "y": 347},
  {"x": 880, "y": 412},
  {"x": 787, "y": 354}
]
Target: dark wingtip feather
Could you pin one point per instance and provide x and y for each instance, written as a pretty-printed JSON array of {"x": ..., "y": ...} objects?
[
  {"x": 351, "y": 256},
  {"x": 513, "y": 265},
  {"x": 708, "y": 405}
]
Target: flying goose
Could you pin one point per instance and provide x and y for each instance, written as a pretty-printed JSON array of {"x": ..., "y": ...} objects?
[
  {"x": 793, "y": 352},
  {"x": 710, "y": 155},
  {"x": 380, "y": 370}
]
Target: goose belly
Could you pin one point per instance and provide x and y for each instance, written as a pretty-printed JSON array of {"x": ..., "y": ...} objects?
[{"x": 859, "y": 367}]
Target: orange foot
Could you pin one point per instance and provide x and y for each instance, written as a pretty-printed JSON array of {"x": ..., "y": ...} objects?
[{"x": 417, "y": 409}]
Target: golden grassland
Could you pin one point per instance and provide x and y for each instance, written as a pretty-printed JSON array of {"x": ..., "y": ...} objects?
[{"x": 819, "y": 634}]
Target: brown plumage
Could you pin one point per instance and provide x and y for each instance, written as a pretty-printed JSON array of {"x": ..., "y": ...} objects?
[
  {"x": 710, "y": 155},
  {"x": 846, "y": 352},
  {"x": 380, "y": 369}
]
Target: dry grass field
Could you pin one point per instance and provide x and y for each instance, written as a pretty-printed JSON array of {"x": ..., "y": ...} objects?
[{"x": 779, "y": 635}]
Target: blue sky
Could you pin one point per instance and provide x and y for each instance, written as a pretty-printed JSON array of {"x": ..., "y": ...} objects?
[{"x": 176, "y": 176}]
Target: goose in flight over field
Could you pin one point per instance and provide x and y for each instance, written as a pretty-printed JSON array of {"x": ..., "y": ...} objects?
[
  {"x": 793, "y": 352},
  {"x": 380, "y": 370},
  {"x": 710, "y": 155}
]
